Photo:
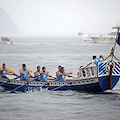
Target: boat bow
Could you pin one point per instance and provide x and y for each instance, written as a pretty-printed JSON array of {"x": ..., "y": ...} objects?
[{"x": 109, "y": 72}]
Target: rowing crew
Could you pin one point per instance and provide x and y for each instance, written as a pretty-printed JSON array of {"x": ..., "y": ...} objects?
[
  {"x": 39, "y": 75},
  {"x": 43, "y": 75}
]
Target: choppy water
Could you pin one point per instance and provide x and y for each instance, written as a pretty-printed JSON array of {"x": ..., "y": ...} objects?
[{"x": 45, "y": 105}]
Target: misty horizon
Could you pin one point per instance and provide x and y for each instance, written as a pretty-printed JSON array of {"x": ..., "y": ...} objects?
[{"x": 57, "y": 18}]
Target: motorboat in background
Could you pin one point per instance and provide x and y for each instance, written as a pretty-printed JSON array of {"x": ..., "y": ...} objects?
[
  {"x": 5, "y": 40},
  {"x": 84, "y": 36},
  {"x": 105, "y": 38}
]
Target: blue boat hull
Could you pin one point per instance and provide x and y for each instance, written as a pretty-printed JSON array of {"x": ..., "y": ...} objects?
[
  {"x": 105, "y": 82},
  {"x": 94, "y": 87}
]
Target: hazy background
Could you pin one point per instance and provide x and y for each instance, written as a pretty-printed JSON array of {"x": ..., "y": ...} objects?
[{"x": 57, "y": 17}]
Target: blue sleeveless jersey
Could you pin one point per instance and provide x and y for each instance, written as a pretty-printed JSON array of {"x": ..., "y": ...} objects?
[
  {"x": 97, "y": 60},
  {"x": 3, "y": 73},
  {"x": 24, "y": 77},
  {"x": 39, "y": 77},
  {"x": 63, "y": 77},
  {"x": 43, "y": 77}
]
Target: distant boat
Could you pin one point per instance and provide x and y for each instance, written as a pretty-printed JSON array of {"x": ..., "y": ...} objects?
[
  {"x": 5, "y": 40},
  {"x": 107, "y": 38},
  {"x": 84, "y": 36}
]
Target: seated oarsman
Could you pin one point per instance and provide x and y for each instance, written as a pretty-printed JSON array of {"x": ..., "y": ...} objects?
[
  {"x": 44, "y": 74},
  {"x": 83, "y": 72},
  {"x": 3, "y": 71},
  {"x": 63, "y": 74},
  {"x": 24, "y": 72},
  {"x": 58, "y": 72},
  {"x": 95, "y": 60},
  {"x": 37, "y": 73}
]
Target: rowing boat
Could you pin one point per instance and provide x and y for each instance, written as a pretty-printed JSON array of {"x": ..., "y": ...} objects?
[{"x": 98, "y": 78}]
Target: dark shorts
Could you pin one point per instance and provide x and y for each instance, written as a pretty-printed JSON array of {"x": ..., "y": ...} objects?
[{"x": 4, "y": 77}]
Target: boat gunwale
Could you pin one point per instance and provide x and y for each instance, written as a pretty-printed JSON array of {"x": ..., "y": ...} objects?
[{"x": 28, "y": 83}]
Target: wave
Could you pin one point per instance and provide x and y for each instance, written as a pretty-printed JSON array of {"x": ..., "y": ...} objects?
[{"x": 27, "y": 44}]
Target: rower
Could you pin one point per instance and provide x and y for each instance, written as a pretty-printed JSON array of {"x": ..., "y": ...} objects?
[
  {"x": 37, "y": 73},
  {"x": 58, "y": 72},
  {"x": 44, "y": 74},
  {"x": 79, "y": 73},
  {"x": 95, "y": 60},
  {"x": 3, "y": 71},
  {"x": 24, "y": 72},
  {"x": 63, "y": 74}
]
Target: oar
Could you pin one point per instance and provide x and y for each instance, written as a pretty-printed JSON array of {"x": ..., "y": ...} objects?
[
  {"x": 8, "y": 81},
  {"x": 56, "y": 79},
  {"x": 58, "y": 87},
  {"x": 3, "y": 83},
  {"x": 35, "y": 79},
  {"x": 15, "y": 74},
  {"x": 16, "y": 77},
  {"x": 48, "y": 82},
  {"x": 15, "y": 88},
  {"x": 20, "y": 86},
  {"x": 61, "y": 86}
]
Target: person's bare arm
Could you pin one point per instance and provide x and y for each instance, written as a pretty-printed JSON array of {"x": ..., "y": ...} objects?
[
  {"x": 78, "y": 73},
  {"x": 1, "y": 69},
  {"x": 35, "y": 74},
  {"x": 41, "y": 72},
  {"x": 69, "y": 75},
  {"x": 101, "y": 56},
  {"x": 87, "y": 65},
  {"x": 48, "y": 74},
  {"x": 9, "y": 72},
  {"x": 29, "y": 73},
  {"x": 58, "y": 74},
  {"x": 21, "y": 72}
]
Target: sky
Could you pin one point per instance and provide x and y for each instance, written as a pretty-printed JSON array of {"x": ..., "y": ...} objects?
[{"x": 59, "y": 17}]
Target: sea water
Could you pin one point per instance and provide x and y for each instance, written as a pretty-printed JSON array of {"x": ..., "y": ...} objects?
[{"x": 57, "y": 105}]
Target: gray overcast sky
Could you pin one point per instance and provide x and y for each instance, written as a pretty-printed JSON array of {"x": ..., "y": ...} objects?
[{"x": 62, "y": 17}]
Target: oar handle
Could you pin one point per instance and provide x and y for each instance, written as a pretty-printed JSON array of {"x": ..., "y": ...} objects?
[
  {"x": 56, "y": 88},
  {"x": 15, "y": 74},
  {"x": 35, "y": 79},
  {"x": 16, "y": 77},
  {"x": 56, "y": 79}
]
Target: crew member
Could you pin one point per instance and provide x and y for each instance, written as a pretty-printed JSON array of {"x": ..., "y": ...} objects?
[
  {"x": 63, "y": 74},
  {"x": 3, "y": 71},
  {"x": 24, "y": 72},
  {"x": 58, "y": 72},
  {"x": 44, "y": 74},
  {"x": 37, "y": 73},
  {"x": 95, "y": 60},
  {"x": 83, "y": 72}
]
